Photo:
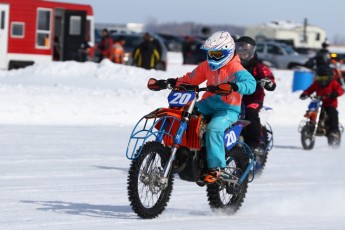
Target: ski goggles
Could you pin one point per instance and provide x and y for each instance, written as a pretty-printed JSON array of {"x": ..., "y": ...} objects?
[
  {"x": 322, "y": 78},
  {"x": 218, "y": 54}
]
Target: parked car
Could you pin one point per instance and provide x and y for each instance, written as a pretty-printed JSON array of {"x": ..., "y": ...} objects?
[
  {"x": 172, "y": 42},
  {"x": 280, "y": 55},
  {"x": 134, "y": 39}
]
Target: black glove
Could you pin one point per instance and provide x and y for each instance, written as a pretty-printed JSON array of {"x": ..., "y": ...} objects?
[
  {"x": 162, "y": 84},
  {"x": 333, "y": 95},
  {"x": 234, "y": 86},
  {"x": 266, "y": 83},
  {"x": 172, "y": 81},
  {"x": 303, "y": 96}
]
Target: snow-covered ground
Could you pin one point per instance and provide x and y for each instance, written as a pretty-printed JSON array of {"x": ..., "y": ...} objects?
[{"x": 63, "y": 136}]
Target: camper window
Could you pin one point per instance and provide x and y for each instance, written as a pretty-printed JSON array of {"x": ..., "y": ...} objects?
[
  {"x": 43, "y": 28},
  {"x": 318, "y": 37},
  {"x": 17, "y": 29}
]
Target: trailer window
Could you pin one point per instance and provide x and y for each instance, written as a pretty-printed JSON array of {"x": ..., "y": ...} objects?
[
  {"x": 2, "y": 20},
  {"x": 43, "y": 28},
  {"x": 17, "y": 29},
  {"x": 75, "y": 25}
]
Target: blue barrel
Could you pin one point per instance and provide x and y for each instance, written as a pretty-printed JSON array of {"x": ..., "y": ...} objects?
[{"x": 302, "y": 79}]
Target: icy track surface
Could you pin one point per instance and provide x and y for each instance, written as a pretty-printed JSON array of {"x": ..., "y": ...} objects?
[{"x": 75, "y": 177}]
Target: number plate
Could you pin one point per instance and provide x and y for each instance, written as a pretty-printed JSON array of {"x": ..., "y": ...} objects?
[
  {"x": 231, "y": 136},
  {"x": 180, "y": 99}
]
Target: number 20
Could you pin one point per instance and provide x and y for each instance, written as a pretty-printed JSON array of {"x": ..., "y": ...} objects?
[
  {"x": 181, "y": 98},
  {"x": 231, "y": 138}
]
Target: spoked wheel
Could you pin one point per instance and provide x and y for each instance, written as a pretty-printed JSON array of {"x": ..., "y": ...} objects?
[
  {"x": 307, "y": 138},
  {"x": 268, "y": 136},
  {"x": 266, "y": 144},
  {"x": 228, "y": 196},
  {"x": 261, "y": 160},
  {"x": 148, "y": 192}
]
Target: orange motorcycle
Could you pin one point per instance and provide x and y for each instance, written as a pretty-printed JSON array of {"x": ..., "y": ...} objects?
[{"x": 171, "y": 141}]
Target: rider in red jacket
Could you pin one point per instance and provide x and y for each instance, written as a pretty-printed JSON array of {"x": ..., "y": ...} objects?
[
  {"x": 246, "y": 49},
  {"x": 325, "y": 85}
]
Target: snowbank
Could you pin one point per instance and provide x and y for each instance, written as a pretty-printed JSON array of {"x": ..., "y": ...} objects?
[{"x": 72, "y": 93}]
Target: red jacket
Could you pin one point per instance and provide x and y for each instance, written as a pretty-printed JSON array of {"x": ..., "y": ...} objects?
[
  {"x": 105, "y": 47},
  {"x": 333, "y": 86},
  {"x": 259, "y": 71}
]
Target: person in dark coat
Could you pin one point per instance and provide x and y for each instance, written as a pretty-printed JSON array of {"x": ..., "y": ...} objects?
[
  {"x": 246, "y": 49},
  {"x": 321, "y": 58},
  {"x": 187, "y": 47},
  {"x": 146, "y": 55}
]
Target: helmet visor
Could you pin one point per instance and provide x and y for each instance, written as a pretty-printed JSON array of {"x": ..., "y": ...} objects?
[
  {"x": 245, "y": 51},
  {"x": 217, "y": 54}
]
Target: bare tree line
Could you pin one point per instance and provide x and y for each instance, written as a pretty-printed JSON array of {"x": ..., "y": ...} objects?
[{"x": 191, "y": 28}]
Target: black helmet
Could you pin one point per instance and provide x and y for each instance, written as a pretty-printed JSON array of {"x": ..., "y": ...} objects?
[
  {"x": 324, "y": 74},
  {"x": 245, "y": 48},
  {"x": 325, "y": 44},
  {"x": 247, "y": 40}
]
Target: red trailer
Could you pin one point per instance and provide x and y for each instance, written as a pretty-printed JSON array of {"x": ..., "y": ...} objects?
[{"x": 41, "y": 31}]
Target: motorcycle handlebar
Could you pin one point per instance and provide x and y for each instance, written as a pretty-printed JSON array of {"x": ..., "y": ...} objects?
[
  {"x": 317, "y": 97},
  {"x": 223, "y": 89}
]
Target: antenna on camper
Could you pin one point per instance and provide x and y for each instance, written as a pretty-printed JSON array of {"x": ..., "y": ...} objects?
[{"x": 305, "y": 30}]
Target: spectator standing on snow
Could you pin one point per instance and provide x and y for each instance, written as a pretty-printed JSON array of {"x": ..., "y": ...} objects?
[
  {"x": 322, "y": 58},
  {"x": 118, "y": 51},
  {"x": 105, "y": 45},
  {"x": 146, "y": 55}
]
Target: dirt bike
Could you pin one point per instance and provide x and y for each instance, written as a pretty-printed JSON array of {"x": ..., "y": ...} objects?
[
  {"x": 315, "y": 124},
  {"x": 266, "y": 139},
  {"x": 171, "y": 141}
]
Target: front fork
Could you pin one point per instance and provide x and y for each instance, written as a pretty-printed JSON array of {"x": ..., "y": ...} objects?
[
  {"x": 177, "y": 141},
  {"x": 316, "y": 122},
  {"x": 163, "y": 179}
]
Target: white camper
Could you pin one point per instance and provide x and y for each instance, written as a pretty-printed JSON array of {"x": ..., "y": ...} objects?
[{"x": 299, "y": 35}]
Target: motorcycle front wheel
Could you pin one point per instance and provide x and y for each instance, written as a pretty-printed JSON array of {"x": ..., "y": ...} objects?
[
  {"x": 307, "y": 138},
  {"x": 225, "y": 197},
  {"x": 147, "y": 192}
]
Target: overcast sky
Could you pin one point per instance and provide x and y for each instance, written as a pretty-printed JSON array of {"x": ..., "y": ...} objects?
[{"x": 329, "y": 15}]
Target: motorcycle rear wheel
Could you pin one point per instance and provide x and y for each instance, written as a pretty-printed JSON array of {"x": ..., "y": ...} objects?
[
  {"x": 307, "y": 138},
  {"x": 266, "y": 144},
  {"x": 223, "y": 197},
  {"x": 148, "y": 198}
]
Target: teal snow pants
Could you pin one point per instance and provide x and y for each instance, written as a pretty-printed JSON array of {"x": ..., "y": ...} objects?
[{"x": 222, "y": 116}]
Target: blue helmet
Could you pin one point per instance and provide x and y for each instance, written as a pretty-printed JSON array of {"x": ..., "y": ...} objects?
[{"x": 220, "y": 49}]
